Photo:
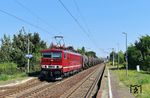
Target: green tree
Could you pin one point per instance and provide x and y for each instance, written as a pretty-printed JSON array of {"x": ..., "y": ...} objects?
[
  {"x": 13, "y": 51},
  {"x": 139, "y": 53},
  {"x": 37, "y": 45},
  {"x": 20, "y": 48},
  {"x": 20, "y": 45},
  {"x": 115, "y": 56},
  {"x": 121, "y": 57},
  {"x": 143, "y": 45},
  {"x": 134, "y": 57},
  {"x": 5, "y": 49},
  {"x": 91, "y": 54},
  {"x": 87, "y": 53},
  {"x": 81, "y": 51}
]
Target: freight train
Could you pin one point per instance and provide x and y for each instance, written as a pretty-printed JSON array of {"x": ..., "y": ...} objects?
[{"x": 59, "y": 63}]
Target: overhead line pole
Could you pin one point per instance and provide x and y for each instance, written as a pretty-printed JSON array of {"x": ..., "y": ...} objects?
[{"x": 28, "y": 54}]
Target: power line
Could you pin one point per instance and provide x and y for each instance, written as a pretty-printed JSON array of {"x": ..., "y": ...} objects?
[
  {"x": 86, "y": 25},
  {"x": 34, "y": 14},
  {"x": 81, "y": 15},
  {"x": 78, "y": 23},
  {"x": 74, "y": 18},
  {"x": 27, "y": 22},
  {"x": 38, "y": 17}
]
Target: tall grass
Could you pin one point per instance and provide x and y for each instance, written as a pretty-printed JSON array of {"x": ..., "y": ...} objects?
[
  {"x": 136, "y": 78},
  {"x": 8, "y": 68},
  {"x": 16, "y": 76}
]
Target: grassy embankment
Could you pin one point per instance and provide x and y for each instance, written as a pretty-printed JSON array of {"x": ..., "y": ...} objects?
[
  {"x": 9, "y": 72},
  {"x": 5, "y": 79},
  {"x": 136, "y": 78}
]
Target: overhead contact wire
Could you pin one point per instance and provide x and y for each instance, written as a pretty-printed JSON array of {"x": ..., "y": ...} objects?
[
  {"x": 24, "y": 21},
  {"x": 34, "y": 14},
  {"x": 80, "y": 26}
]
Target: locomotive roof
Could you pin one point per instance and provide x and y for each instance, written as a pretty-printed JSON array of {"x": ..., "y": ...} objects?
[
  {"x": 60, "y": 50},
  {"x": 48, "y": 50}
]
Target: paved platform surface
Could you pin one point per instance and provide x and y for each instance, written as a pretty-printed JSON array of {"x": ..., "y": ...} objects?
[
  {"x": 115, "y": 89},
  {"x": 15, "y": 82}
]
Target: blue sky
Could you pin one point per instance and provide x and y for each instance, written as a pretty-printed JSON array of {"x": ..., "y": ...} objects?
[{"x": 106, "y": 19}]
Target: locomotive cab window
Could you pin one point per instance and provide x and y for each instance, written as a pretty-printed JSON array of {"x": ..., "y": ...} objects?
[
  {"x": 56, "y": 54},
  {"x": 51, "y": 55},
  {"x": 46, "y": 55}
]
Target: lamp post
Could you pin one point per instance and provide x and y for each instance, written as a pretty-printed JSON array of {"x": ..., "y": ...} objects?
[
  {"x": 113, "y": 55},
  {"x": 118, "y": 55},
  {"x": 126, "y": 54}
]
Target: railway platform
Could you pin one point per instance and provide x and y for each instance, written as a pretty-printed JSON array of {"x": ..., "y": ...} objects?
[{"x": 111, "y": 87}]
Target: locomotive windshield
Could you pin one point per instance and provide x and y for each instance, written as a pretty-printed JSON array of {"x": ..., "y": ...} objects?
[
  {"x": 56, "y": 54},
  {"x": 51, "y": 55}
]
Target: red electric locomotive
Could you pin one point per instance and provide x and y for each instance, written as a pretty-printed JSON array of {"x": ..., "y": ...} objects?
[
  {"x": 56, "y": 63},
  {"x": 59, "y": 61}
]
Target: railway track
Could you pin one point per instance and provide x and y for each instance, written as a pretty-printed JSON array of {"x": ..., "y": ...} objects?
[
  {"x": 56, "y": 89},
  {"x": 38, "y": 89},
  {"x": 14, "y": 86},
  {"x": 11, "y": 90},
  {"x": 86, "y": 88}
]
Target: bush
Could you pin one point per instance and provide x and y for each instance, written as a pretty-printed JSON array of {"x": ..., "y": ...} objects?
[
  {"x": 4, "y": 77},
  {"x": 8, "y": 68}
]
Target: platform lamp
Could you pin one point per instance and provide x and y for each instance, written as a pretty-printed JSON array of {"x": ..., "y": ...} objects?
[{"x": 126, "y": 54}]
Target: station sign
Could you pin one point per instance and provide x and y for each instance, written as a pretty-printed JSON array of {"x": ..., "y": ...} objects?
[{"x": 29, "y": 56}]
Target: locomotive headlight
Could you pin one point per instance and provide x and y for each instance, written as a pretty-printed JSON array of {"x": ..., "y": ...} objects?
[
  {"x": 43, "y": 66},
  {"x": 47, "y": 66},
  {"x": 58, "y": 66}
]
